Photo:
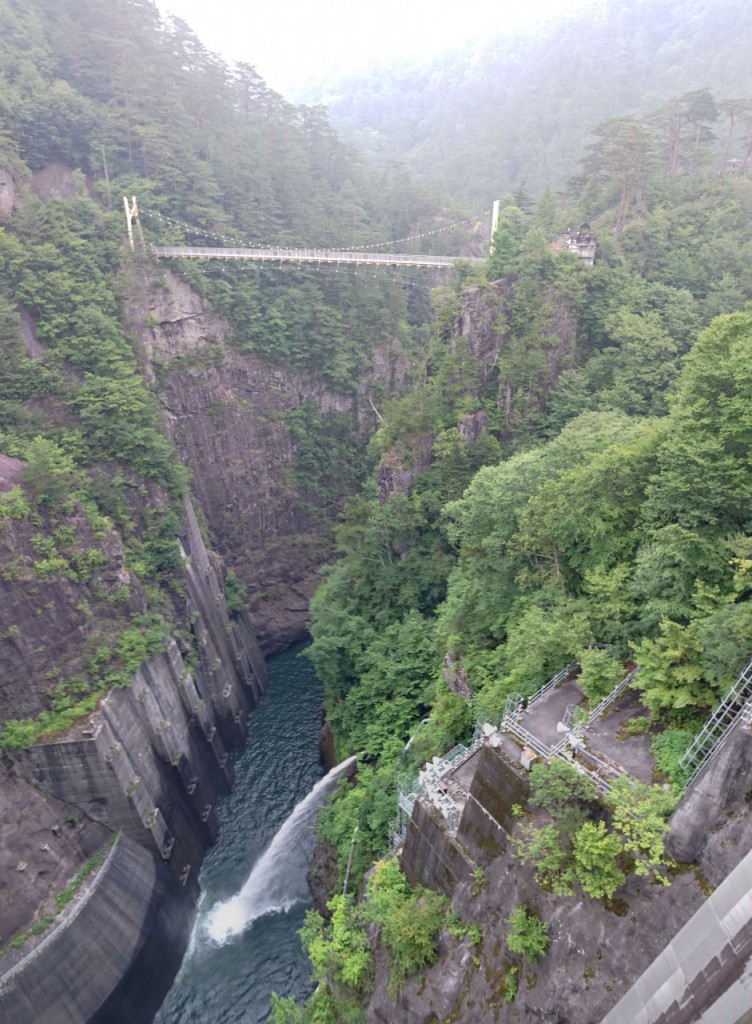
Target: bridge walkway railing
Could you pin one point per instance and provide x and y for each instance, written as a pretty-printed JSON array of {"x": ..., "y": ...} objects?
[{"x": 304, "y": 255}]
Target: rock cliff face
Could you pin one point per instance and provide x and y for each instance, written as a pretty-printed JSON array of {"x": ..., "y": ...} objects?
[
  {"x": 482, "y": 323},
  {"x": 149, "y": 764},
  {"x": 598, "y": 949},
  {"x": 59, "y": 600},
  {"x": 225, "y": 413},
  {"x": 79, "y": 941},
  {"x": 9, "y": 193},
  {"x": 721, "y": 787}
]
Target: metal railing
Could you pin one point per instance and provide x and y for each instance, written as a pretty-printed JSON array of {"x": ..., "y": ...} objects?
[
  {"x": 553, "y": 682},
  {"x": 449, "y": 763},
  {"x": 285, "y": 255},
  {"x": 530, "y": 741},
  {"x": 611, "y": 697},
  {"x": 718, "y": 727},
  {"x": 516, "y": 703},
  {"x": 511, "y": 723},
  {"x": 579, "y": 729}
]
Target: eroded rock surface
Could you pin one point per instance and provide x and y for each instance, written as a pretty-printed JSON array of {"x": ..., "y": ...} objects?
[
  {"x": 322, "y": 877},
  {"x": 226, "y": 415},
  {"x": 9, "y": 194},
  {"x": 598, "y": 948},
  {"x": 56, "y": 181},
  {"x": 43, "y": 844},
  {"x": 59, "y": 600}
]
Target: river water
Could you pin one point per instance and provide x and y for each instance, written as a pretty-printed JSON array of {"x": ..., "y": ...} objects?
[{"x": 229, "y": 979}]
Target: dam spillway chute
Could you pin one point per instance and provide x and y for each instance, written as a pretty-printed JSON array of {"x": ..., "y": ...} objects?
[{"x": 277, "y": 881}]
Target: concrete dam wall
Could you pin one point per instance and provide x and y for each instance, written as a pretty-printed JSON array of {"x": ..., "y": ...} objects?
[
  {"x": 113, "y": 956},
  {"x": 149, "y": 766}
]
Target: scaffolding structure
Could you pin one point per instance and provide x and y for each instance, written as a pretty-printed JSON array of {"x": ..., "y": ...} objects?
[{"x": 735, "y": 705}]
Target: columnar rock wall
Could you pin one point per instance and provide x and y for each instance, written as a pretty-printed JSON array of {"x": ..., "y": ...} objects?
[
  {"x": 232, "y": 671},
  {"x": 153, "y": 760},
  {"x": 225, "y": 412},
  {"x": 151, "y": 764}
]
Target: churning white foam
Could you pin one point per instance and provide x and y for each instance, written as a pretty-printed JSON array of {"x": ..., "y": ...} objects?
[{"x": 278, "y": 879}]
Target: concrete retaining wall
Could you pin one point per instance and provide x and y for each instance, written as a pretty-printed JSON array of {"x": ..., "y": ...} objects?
[
  {"x": 113, "y": 956},
  {"x": 430, "y": 856},
  {"x": 487, "y": 815},
  {"x": 704, "y": 974},
  {"x": 153, "y": 761},
  {"x": 150, "y": 763}
]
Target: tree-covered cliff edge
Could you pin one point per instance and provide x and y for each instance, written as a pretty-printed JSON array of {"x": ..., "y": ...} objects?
[
  {"x": 127, "y": 611},
  {"x": 608, "y": 527}
]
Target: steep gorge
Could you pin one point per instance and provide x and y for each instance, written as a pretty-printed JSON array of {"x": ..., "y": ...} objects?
[
  {"x": 131, "y": 598},
  {"x": 227, "y": 414},
  {"x": 148, "y": 760}
]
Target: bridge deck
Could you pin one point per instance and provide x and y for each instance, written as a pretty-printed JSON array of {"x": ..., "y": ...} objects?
[{"x": 277, "y": 255}]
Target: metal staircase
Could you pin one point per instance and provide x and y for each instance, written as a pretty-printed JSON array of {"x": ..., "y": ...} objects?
[
  {"x": 440, "y": 769},
  {"x": 716, "y": 730}
]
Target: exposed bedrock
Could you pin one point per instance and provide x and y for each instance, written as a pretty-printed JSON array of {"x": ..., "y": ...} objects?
[
  {"x": 153, "y": 759},
  {"x": 150, "y": 764},
  {"x": 9, "y": 193},
  {"x": 483, "y": 324},
  {"x": 598, "y": 949},
  {"x": 50, "y": 620},
  {"x": 43, "y": 843},
  {"x": 225, "y": 412},
  {"x": 722, "y": 786}
]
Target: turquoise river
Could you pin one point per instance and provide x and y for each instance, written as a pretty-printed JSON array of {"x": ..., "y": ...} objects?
[{"x": 230, "y": 980}]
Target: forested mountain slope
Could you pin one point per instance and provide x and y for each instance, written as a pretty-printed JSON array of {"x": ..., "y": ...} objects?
[
  {"x": 608, "y": 409},
  {"x": 520, "y": 107},
  {"x": 127, "y": 385},
  {"x": 97, "y": 102},
  {"x": 579, "y": 383},
  {"x": 562, "y": 465}
]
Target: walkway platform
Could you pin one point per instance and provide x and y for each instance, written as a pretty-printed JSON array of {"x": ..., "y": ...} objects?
[
  {"x": 315, "y": 256},
  {"x": 606, "y": 738},
  {"x": 604, "y": 749},
  {"x": 543, "y": 717}
]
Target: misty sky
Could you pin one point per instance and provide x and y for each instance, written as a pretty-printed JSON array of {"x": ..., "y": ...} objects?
[{"x": 289, "y": 41}]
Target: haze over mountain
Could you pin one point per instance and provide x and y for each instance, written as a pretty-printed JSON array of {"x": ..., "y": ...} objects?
[
  {"x": 292, "y": 41},
  {"x": 456, "y": 487},
  {"x": 520, "y": 106}
]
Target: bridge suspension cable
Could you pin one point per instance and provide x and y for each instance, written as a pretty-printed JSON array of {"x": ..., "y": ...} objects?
[
  {"x": 353, "y": 271},
  {"x": 244, "y": 243},
  {"x": 300, "y": 256}
]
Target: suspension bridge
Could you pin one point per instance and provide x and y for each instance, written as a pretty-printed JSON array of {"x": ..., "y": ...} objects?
[
  {"x": 278, "y": 254},
  {"x": 275, "y": 255}
]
